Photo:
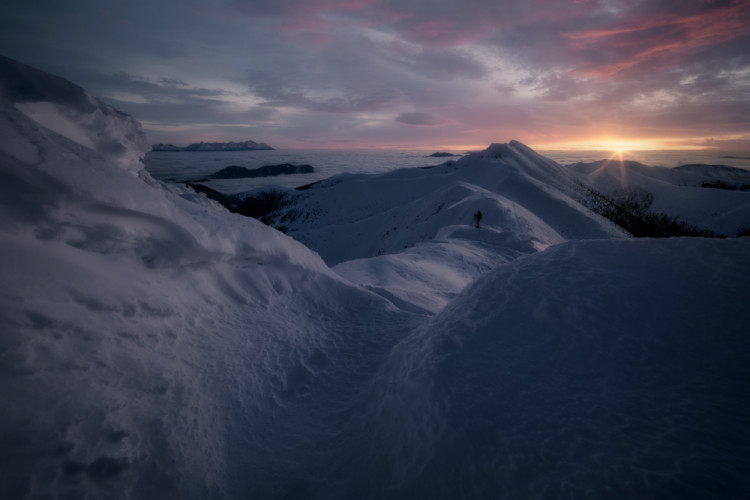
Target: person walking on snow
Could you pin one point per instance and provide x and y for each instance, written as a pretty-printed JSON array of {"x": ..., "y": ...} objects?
[{"x": 478, "y": 217}]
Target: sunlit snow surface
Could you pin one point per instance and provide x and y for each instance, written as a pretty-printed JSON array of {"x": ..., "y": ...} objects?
[{"x": 155, "y": 346}]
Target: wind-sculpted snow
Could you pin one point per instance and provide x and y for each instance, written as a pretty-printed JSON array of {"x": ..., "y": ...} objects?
[
  {"x": 154, "y": 345},
  {"x": 67, "y": 109},
  {"x": 602, "y": 369}
]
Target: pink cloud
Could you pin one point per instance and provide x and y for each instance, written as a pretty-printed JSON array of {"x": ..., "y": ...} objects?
[{"x": 660, "y": 39}]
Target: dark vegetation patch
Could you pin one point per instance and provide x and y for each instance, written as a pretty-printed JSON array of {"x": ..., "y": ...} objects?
[
  {"x": 630, "y": 211},
  {"x": 258, "y": 205},
  {"x": 725, "y": 185}
]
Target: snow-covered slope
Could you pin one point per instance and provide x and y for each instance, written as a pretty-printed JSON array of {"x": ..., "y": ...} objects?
[
  {"x": 153, "y": 345},
  {"x": 67, "y": 109},
  {"x": 517, "y": 190},
  {"x": 707, "y": 197},
  {"x": 595, "y": 369},
  {"x": 417, "y": 223}
]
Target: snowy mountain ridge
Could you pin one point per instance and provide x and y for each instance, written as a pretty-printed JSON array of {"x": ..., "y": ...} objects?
[
  {"x": 154, "y": 345},
  {"x": 417, "y": 223},
  {"x": 214, "y": 146},
  {"x": 509, "y": 174}
]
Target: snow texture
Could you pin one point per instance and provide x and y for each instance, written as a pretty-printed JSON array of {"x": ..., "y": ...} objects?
[
  {"x": 595, "y": 369},
  {"x": 154, "y": 345}
]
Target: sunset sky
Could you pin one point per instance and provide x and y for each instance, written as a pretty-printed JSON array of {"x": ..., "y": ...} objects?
[{"x": 576, "y": 74}]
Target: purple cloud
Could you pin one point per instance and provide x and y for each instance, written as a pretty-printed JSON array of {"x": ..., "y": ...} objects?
[{"x": 419, "y": 118}]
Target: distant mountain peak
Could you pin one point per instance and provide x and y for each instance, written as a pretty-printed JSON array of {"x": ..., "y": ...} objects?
[
  {"x": 511, "y": 148},
  {"x": 214, "y": 146}
]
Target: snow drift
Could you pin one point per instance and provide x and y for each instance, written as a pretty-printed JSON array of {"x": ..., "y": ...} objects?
[
  {"x": 154, "y": 345},
  {"x": 595, "y": 369}
]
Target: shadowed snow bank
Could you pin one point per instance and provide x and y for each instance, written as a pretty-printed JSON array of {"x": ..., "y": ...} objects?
[{"x": 601, "y": 369}]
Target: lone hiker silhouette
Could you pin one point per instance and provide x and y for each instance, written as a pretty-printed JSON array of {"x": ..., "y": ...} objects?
[{"x": 478, "y": 217}]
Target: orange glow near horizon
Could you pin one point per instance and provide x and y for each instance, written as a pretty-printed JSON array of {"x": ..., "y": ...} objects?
[
  {"x": 620, "y": 145},
  {"x": 608, "y": 145}
]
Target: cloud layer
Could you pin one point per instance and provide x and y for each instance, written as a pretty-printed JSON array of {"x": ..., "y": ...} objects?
[{"x": 348, "y": 73}]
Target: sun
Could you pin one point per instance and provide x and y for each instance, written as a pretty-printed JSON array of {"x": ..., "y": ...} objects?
[
  {"x": 616, "y": 156},
  {"x": 618, "y": 153}
]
